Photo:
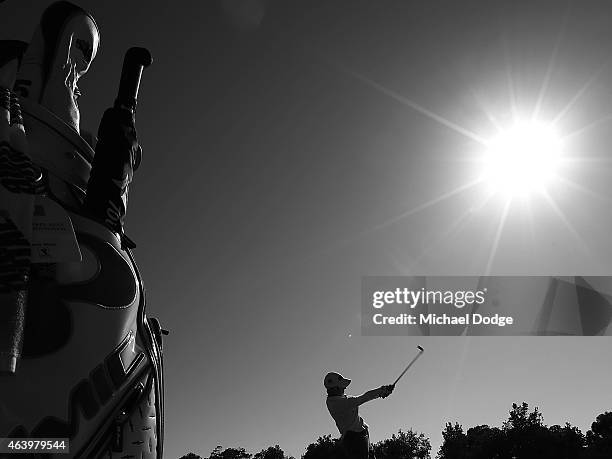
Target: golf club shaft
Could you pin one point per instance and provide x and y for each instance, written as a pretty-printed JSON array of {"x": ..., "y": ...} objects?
[{"x": 409, "y": 365}]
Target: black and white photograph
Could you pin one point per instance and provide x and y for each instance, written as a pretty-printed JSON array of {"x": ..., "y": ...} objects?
[{"x": 306, "y": 229}]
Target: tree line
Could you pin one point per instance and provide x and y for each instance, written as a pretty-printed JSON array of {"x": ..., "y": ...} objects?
[{"x": 522, "y": 436}]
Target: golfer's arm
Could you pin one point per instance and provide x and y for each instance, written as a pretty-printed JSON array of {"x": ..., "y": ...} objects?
[{"x": 369, "y": 395}]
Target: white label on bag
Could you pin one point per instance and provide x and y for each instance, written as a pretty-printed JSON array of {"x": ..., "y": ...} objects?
[{"x": 53, "y": 238}]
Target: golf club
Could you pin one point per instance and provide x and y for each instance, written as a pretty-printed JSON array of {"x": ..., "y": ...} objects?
[{"x": 421, "y": 350}]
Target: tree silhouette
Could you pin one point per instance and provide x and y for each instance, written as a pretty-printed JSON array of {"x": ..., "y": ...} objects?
[
  {"x": 521, "y": 419},
  {"x": 599, "y": 438},
  {"x": 454, "y": 445},
  {"x": 404, "y": 445},
  {"x": 522, "y": 436},
  {"x": 229, "y": 453},
  {"x": 190, "y": 456},
  {"x": 525, "y": 433},
  {"x": 324, "y": 448},
  {"x": 480, "y": 442},
  {"x": 484, "y": 442},
  {"x": 566, "y": 442},
  {"x": 272, "y": 452}
]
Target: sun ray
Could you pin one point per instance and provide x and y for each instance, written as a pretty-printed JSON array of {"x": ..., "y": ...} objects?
[
  {"x": 478, "y": 99},
  {"x": 564, "y": 111},
  {"x": 357, "y": 236},
  {"x": 566, "y": 222},
  {"x": 498, "y": 233},
  {"x": 483, "y": 202},
  {"x": 452, "y": 228},
  {"x": 425, "y": 205},
  {"x": 583, "y": 189},
  {"x": 461, "y": 365},
  {"x": 586, "y": 127},
  {"x": 409, "y": 103},
  {"x": 509, "y": 80},
  {"x": 551, "y": 64},
  {"x": 531, "y": 222},
  {"x": 582, "y": 160},
  {"x": 404, "y": 270}
]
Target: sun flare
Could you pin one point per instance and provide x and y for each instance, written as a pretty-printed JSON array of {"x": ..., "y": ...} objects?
[{"x": 522, "y": 159}]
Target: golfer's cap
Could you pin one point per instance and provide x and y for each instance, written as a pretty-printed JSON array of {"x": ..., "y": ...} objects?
[{"x": 334, "y": 379}]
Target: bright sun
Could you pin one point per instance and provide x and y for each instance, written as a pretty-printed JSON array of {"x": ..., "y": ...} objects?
[{"x": 522, "y": 159}]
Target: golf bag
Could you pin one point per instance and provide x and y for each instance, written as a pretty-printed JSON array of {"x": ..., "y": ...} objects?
[{"x": 85, "y": 361}]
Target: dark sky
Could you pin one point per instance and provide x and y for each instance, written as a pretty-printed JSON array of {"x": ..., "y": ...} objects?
[{"x": 275, "y": 150}]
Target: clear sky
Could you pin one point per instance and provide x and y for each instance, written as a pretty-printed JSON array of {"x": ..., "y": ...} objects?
[{"x": 276, "y": 146}]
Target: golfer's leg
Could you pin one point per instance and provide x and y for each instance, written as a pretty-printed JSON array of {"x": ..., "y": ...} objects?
[
  {"x": 341, "y": 452},
  {"x": 369, "y": 453},
  {"x": 356, "y": 445},
  {"x": 349, "y": 445},
  {"x": 364, "y": 445}
]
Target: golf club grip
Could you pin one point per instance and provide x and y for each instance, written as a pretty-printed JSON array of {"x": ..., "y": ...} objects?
[
  {"x": 134, "y": 61},
  {"x": 406, "y": 369}
]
